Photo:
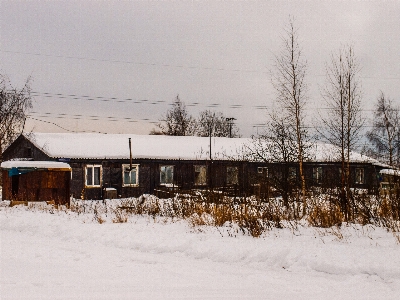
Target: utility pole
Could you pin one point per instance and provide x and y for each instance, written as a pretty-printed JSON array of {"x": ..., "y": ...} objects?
[
  {"x": 211, "y": 161},
  {"x": 230, "y": 123}
]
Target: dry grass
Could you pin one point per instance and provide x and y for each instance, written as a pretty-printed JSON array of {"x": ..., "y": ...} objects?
[
  {"x": 325, "y": 215},
  {"x": 249, "y": 215},
  {"x": 120, "y": 216}
]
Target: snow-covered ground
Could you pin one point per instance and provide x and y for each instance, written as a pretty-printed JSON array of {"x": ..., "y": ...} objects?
[{"x": 51, "y": 254}]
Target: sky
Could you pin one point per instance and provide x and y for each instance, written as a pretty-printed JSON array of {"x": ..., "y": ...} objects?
[{"x": 117, "y": 66}]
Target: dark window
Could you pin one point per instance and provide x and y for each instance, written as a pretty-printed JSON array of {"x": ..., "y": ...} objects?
[
  {"x": 292, "y": 173},
  {"x": 262, "y": 170},
  {"x": 317, "y": 174},
  {"x": 200, "y": 175},
  {"x": 130, "y": 176},
  {"x": 166, "y": 174},
  {"x": 359, "y": 175},
  {"x": 232, "y": 175}
]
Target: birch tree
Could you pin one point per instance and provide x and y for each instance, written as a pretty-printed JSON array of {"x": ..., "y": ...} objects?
[
  {"x": 289, "y": 81},
  {"x": 343, "y": 122},
  {"x": 385, "y": 130},
  {"x": 276, "y": 145}
]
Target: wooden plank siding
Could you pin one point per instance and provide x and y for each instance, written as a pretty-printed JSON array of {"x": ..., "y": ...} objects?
[
  {"x": 38, "y": 185},
  {"x": 250, "y": 181}
]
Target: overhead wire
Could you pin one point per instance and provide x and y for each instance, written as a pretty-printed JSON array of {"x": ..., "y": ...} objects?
[
  {"x": 170, "y": 65},
  {"x": 158, "y": 102}
]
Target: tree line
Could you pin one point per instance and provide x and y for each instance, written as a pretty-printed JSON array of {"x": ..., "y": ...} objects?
[{"x": 178, "y": 122}]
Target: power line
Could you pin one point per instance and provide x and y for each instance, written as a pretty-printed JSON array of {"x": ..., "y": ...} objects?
[
  {"x": 163, "y": 102},
  {"x": 52, "y": 123},
  {"x": 171, "y": 65},
  {"x": 135, "y": 63},
  {"x": 90, "y": 118},
  {"x": 131, "y": 100},
  {"x": 71, "y": 117}
]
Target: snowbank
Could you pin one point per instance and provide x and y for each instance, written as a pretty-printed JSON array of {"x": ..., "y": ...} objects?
[{"x": 52, "y": 254}]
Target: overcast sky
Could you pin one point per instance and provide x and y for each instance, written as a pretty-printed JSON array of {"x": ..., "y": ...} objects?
[{"x": 87, "y": 59}]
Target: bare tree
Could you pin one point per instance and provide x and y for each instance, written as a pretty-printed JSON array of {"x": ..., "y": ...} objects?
[
  {"x": 289, "y": 81},
  {"x": 276, "y": 145},
  {"x": 216, "y": 124},
  {"x": 14, "y": 104},
  {"x": 343, "y": 122},
  {"x": 177, "y": 120},
  {"x": 385, "y": 130}
]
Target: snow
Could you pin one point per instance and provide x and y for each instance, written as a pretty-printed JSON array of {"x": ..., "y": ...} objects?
[
  {"x": 34, "y": 164},
  {"x": 59, "y": 254},
  {"x": 390, "y": 172},
  {"x": 116, "y": 146}
]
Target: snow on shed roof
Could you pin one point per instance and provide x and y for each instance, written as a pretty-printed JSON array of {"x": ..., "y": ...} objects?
[
  {"x": 390, "y": 172},
  {"x": 116, "y": 146},
  {"x": 28, "y": 164}
]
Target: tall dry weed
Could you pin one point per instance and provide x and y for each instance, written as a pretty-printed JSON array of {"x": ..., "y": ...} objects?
[{"x": 325, "y": 215}]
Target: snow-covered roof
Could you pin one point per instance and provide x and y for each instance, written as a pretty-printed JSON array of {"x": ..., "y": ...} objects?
[
  {"x": 390, "y": 172},
  {"x": 116, "y": 146},
  {"x": 29, "y": 164},
  {"x": 326, "y": 152}
]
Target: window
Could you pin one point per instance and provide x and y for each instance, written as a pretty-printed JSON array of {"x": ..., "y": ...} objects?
[
  {"x": 200, "y": 175},
  {"x": 93, "y": 175},
  {"x": 232, "y": 175},
  {"x": 317, "y": 174},
  {"x": 262, "y": 170},
  {"x": 166, "y": 174},
  {"x": 130, "y": 177},
  {"x": 292, "y": 173},
  {"x": 359, "y": 176}
]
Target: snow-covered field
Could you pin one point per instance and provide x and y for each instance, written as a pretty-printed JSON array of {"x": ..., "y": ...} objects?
[{"x": 53, "y": 254}]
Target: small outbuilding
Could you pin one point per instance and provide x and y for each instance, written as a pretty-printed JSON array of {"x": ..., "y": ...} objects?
[{"x": 36, "y": 181}]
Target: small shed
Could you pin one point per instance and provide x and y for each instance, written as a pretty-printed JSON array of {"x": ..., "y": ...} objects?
[{"x": 36, "y": 181}]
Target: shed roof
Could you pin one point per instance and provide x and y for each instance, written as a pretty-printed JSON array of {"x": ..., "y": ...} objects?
[
  {"x": 390, "y": 172},
  {"x": 29, "y": 164},
  {"x": 116, "y": 146}
]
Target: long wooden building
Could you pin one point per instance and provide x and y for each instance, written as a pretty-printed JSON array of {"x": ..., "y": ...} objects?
[{"x": 104, "y": 165}]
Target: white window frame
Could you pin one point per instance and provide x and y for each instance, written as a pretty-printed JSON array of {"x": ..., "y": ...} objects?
[
  {"x": 317, "y": 174},
  {"x": 100, "y": 175},
  {"x": 136, "y": 166},
  {"x": 262, "y": 170},
  {"x": 166, "y": 166},
  {"x": 197, "y": 170},
  {"x": 236, "y": 173},
  {"x": 362, "y": 173}
]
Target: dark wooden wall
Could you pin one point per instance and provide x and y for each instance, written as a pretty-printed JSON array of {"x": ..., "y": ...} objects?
[
  {"x": 39, "y": 185},
  {"x": 250, "y": 181}
]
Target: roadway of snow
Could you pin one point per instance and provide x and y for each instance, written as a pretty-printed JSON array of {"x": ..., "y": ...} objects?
[{"x": 62, "y": 255}]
